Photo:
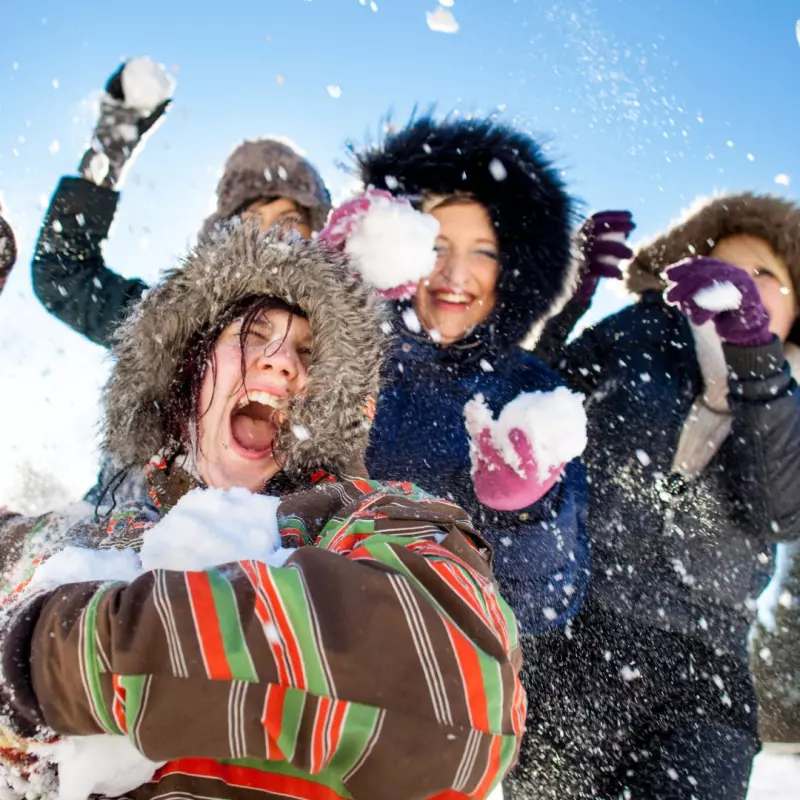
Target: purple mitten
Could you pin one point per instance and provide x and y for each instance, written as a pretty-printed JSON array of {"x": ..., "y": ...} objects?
[
  {"x": 602, "y": 243},
  {"x": 708, "y": 289}
]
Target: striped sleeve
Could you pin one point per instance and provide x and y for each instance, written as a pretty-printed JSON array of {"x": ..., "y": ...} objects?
[{"x": 383, "y": 661}]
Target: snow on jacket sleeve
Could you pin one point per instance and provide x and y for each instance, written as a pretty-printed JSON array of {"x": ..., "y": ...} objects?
[
  {"x": 765, "y": 439},
  {"x": 382, "y": 658},
  {"x": 70, "y": 277}
]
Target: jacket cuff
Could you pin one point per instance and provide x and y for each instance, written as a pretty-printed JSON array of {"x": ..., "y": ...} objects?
[
  {"x": 18, "y": 701},
  {"x": 757, "y": 373}
]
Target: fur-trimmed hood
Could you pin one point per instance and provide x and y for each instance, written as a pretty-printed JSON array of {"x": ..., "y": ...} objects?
[
  {"x": 505, "y": 170},
  {"x": 233, "y": 263},
  {"x": 771, "y": 218}
]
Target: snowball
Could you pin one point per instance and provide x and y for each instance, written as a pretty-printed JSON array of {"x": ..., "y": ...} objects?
[
  {"x": 720, "y": 296},
  {"x": 498, "y": 169},
  {"x": 208, "y": 527},
  {"x": 334, "y": 91},
  {"x": 393, "y": 244},
  {"x": 98, "y": 168},
  {"x": 783, "y": 179},
  {"x": 442, "y": 20},
  {"x": 109, "y": 766},
  {"x": 145, "y": 84},
  {"x": 80, "y": 564},
  {"x": 629, "y": 674},
  {"x": 411, "y": 320},
  {"x": 301, "y": 433},
  {"x": 55, "y": 146},
  {"x": 553, "y": 422}
]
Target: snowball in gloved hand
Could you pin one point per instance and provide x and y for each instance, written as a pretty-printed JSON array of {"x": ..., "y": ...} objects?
[
  {"x": 519, "y": 457},
  {"x": 389, "y": 243}
]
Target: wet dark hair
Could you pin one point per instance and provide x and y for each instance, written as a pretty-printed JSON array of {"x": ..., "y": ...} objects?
[{"x": 183, "y": 401}]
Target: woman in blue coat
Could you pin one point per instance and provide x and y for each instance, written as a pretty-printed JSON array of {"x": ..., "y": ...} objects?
[{"x": 503, "y": 266}]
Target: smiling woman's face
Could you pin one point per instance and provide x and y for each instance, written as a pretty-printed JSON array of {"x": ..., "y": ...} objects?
[
  {"x": 246, "y": 387},
  {"x": 460, "y": 293}
]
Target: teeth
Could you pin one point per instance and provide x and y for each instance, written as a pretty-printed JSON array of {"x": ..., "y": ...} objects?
[
  {"x": 263, "y": 398},
  {"x": 448, "y": 297}
]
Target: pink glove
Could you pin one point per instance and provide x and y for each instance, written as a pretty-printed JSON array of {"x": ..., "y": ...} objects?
[
  {"x": 393, "y": 255},
  {"x": 500, "y": 486},
  {"x": 517, "y": 458}
]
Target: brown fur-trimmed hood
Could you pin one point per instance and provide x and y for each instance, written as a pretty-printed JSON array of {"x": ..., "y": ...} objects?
[
  {"x": 233, "y": 263},
  {"x": 768, "y": 217}
]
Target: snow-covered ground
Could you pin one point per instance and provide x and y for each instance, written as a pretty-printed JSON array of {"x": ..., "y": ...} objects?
[{"x": 775, "y": 776}]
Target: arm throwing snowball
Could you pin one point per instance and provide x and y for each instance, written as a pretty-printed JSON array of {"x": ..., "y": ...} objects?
[
  {"x": 135, "y": 100},
  {"x": 601, "y": 248},
  {"x": 517, "y": 458},
  {"x": 69, "y": 274}
]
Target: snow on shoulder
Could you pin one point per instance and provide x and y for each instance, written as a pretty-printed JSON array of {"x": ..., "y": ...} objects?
[
  {"x": 720, "y": 296},
  {"x": 553, "y": 422}
]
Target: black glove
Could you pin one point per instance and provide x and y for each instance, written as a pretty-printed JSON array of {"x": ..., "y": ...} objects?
[{"x": 124, "y": 120}]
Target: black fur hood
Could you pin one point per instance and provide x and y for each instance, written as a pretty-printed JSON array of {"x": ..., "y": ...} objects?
[{"x": 505, "y": 170}]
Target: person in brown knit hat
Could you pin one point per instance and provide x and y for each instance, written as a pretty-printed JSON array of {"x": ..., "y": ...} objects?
[
  {"x": 266, "y": 179},
  {"x": 694, "y": 466}
]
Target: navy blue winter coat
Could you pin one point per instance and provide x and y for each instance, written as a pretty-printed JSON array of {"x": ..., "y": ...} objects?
[{"x": 542, "y": 552}]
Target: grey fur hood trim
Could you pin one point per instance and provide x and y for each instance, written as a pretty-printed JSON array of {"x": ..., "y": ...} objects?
[
  {"x": 268, "y": 168},
  {"x": 235, "y": 262},
  {"x": 768, "y": 217}
]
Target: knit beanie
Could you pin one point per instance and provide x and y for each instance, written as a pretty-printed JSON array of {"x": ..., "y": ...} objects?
[{"x": 268, "y": 169}]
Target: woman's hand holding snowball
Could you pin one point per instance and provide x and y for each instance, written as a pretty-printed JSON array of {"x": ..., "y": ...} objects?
[
  {"x": 707, "y": 289},
  {"x": 518, "y": 458}
]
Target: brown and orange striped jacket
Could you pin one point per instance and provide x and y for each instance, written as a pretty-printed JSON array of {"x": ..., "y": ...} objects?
[{"x": 379, "y": 662}]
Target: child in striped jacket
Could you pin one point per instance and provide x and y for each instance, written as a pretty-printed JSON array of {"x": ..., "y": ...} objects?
[{"x": 378, "y": 660}]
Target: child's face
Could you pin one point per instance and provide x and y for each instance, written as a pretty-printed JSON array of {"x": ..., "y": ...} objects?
[{"x": 757, "y": 259}]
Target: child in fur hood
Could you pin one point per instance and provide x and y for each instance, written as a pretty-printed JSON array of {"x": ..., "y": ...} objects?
[
  {"x": 379, "y": 659},
  {"x": 266, "y": 180},
  {"x": 694, "y": 466}
]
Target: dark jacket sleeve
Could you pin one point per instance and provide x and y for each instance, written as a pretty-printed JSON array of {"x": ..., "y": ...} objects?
[
  {"x": 542, "y": 555},
  {"x": 765, "y": 439},
  {"x": 553, "y": 340},
  {"x": 69, "y": 274}
]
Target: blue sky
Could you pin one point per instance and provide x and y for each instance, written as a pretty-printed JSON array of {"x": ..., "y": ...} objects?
[{"x": 645, "y": 104}]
